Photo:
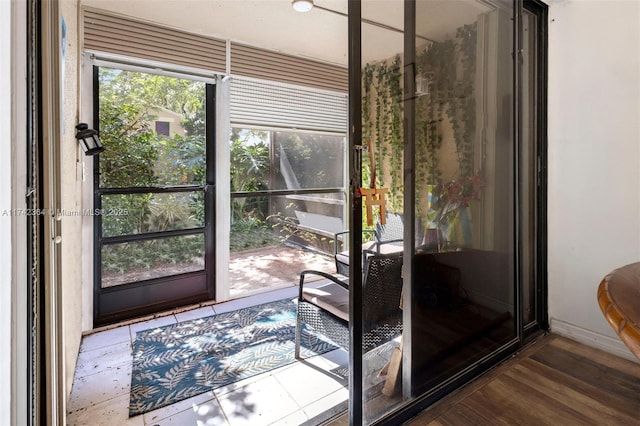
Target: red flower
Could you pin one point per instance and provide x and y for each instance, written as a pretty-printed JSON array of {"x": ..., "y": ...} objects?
[{"x": 458, "y": 193}]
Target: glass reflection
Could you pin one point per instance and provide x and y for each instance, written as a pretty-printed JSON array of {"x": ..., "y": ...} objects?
[
  {"x": 463, "y": 286},
  {"x": 462, "y": 295},
  {"x": 382, "y": 172}
]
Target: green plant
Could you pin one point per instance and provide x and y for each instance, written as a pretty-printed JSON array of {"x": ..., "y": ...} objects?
[
  {"x": 120, "y": 258},
  {"x": 382, "y": 126},
  {"x": 172, "y": 211},
  {"x": 137, "y": 157},
  {"x": 450, "y": 70},
  {"x": 251, "y": 232},
  {"x": 135, "y": 209},
  {"x": 249, "y": 171},
  {"x": 183, "y": 160},
  {"x": 463, "y": 106},
  {"x": 130, "y": 156}
]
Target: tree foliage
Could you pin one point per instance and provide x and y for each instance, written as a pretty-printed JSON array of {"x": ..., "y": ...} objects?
[
  {"x": 249, "y": 171},
  {"x": 136, "y": 156}
]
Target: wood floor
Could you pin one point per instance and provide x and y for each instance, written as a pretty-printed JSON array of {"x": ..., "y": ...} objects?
[{"x": 555, "y": 381}]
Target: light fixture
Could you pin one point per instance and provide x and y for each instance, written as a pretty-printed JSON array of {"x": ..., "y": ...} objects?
[
  {"x": 302, "y": 5},
  {"x": 89, "y": 140}
]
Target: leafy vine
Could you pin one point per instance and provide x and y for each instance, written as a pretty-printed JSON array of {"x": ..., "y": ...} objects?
[
  {"x": 382, "y": 124},
  {"x": 449, "y": 67}
]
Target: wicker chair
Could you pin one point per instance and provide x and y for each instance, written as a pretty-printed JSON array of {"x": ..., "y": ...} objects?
[
  {"x": 326, "y": 308},
  {"x": 387, "y": 239}
]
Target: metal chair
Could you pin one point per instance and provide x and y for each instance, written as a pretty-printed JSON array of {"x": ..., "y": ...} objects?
[{"x": 326, "y": 308}]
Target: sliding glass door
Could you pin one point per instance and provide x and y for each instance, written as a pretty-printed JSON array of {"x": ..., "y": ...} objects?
[
  {"x": 153, "y": 193},
  {"x": 466, "y": 173},
  {"x": 463, "y": 286}
]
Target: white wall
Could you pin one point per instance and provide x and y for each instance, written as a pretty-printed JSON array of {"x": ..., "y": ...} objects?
[
  {"x": 594, "y": 159},
  {"x": 13, "y": 266},
  {"x": 71, "y": 174},
  {"x": 5, "y": 204}
]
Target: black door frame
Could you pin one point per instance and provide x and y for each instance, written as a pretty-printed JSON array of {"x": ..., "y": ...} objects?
[{"x": 122, "y": 302}]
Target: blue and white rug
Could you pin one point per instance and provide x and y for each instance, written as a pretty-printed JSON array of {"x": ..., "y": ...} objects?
[{"x": 179, "y": 361}]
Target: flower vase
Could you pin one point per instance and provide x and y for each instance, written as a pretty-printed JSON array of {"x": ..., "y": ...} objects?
[
  {"x": 432, "y": 240},
  {"x": 465, "y": 226},
  {"x": 456, "y": 229}
]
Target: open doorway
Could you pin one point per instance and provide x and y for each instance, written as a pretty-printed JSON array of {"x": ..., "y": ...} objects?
[
  {"x": 263, "y": 183},
  {"x": 287, "y": 202}
]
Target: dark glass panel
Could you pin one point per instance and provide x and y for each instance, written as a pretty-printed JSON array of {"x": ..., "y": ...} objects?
[{"x": 134, "y": 261}]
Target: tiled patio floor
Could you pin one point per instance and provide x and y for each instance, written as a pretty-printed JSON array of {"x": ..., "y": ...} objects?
[
  {"x": 290, "y": 395},
  {"x": 269, "y": 268}
]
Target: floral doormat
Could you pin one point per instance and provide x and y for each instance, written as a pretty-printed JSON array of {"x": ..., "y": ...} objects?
[{"x": 179, "y": 361}]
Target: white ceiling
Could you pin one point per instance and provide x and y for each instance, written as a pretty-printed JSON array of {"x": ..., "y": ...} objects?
[{"x": 319, "y": 34}]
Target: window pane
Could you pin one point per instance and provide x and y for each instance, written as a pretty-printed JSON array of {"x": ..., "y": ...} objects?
[
  {"x": 144, "y": 260},
  {"x": 270, "y": 246},
  {"x": 163, "y": 128},
  {"x": 308, "y": 161},
  {"x": 265, "y": 160},
  {"x": 250, "y": 224},
  {"x": 274, "y": 237},
  {"x": 275, "y": 161},
  {"x": 127, "y": 214},
  {"x": 250, "y": 168},
  {"x": 153, "y": 129}
]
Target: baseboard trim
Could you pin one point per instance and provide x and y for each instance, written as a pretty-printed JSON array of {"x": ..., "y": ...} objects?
[{"x": 593, "y": 339}]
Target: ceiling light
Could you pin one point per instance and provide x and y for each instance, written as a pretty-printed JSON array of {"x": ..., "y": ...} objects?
[{"x": 302, "y": 5}]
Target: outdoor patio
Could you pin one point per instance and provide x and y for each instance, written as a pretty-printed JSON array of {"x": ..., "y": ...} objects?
[
  {"x": 102, "y": 383},
  {"x": 268, "y": 268}
]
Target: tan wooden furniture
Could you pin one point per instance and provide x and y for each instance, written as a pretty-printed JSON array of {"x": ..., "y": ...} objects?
[{"x": 619, "y": 299}]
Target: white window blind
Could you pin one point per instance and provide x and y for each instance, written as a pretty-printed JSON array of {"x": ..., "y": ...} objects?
[
  {"x": 277, "y": 105},
  {"x": 268, "y": 88}
]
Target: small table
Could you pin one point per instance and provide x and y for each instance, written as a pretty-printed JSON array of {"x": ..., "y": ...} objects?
[{"x": 619, "y": 300}]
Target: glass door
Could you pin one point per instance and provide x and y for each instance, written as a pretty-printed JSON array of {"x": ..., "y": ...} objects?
[
  {"x": 463, "y": 283},
  {"x": 466, "y": 172},
  {"x": 153, "y": 193}
]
